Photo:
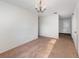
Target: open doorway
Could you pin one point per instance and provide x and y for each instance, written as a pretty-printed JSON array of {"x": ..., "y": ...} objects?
[{"x": 65, "y": 25}]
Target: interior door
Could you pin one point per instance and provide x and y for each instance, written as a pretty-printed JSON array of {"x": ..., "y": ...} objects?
[{"x": 74, "y": 31}]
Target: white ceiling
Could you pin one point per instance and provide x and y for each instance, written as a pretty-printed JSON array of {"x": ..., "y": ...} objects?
[
  {"x": 29, "y": 4},
  {"x": 63, "y": 7}
]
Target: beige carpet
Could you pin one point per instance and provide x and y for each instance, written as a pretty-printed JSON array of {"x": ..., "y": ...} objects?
[{"x": 44, "y": 47}]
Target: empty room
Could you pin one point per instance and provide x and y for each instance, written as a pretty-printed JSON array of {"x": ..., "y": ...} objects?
[{"x": 39, "y": 29}]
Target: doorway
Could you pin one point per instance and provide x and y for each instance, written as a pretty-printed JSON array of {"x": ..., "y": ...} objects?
[{"x": 65, "y": 25}]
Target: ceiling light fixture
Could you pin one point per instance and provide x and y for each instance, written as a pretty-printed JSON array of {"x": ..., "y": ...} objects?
[{"x": 40, "y": 6}]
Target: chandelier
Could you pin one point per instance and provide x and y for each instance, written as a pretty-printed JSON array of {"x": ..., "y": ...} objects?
[{"x": 40, "y": 6}]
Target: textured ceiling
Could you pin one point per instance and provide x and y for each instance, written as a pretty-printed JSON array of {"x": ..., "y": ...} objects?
[{"x": 62, "y": 7}]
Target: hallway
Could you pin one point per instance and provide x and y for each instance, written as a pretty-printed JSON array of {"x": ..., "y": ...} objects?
[{"x": 44, "y": 47}]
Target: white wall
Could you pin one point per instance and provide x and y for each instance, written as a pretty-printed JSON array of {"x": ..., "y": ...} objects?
[
  {"x": 64, "y": 25},
  {"x": 77, "y": 18},
  {"x": 49, "y": 26},
  {"x": 17, "y": 26},
  {"x": 75, "y": 27}
]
